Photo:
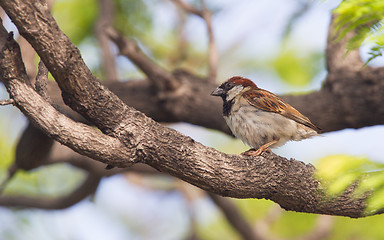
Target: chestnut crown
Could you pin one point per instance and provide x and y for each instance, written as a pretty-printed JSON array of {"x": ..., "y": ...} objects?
[{"x": 233, "y": 86}]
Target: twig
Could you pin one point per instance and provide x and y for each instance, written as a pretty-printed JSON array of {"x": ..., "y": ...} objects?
[
  {"x": 105, "y": 19},
  {"x": 189, "y": 8},
  {"x": 42, "y": 81},
  {"x": 213, "y": 56},
  {"x": 262, "y": 226},
  {"x": 88, "y": 187},
  {"x": 303, "y": 8},
  {"x": 190, "y": 193},
  {"x": 182, "y": 42},
  {"x": 163, "y": 80},
  {"x": 234, "y": 217},
  {"x": 206, "y": 15},
  {"x": 322, "y": 228},
  {"x": 6, "y": 102},
  {"x": 10, "y": 173}
]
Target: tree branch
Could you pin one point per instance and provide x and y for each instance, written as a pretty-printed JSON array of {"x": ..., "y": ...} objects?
[
  {"x": 76, "y": 135},
  {"x": 206, "y": 15},
  {"x": 88, "y": 187},
  {"x": 337, "y": 55},
  {"x": 136, "y": 137},
  {"x": 158, "y": 76},
  {"x": 42, "y": 81},
  {"x": 106, "y": 8},
  {"x": 322, "y": 229},
  {"x": 234, "y": 217},
  {"x": 6, "y": 102}
]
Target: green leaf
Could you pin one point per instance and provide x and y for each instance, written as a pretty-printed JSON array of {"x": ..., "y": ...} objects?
[
  {"x": 365, "y": 18},
  {"x": 338, "y": 172},
  {"x": 295, "y": 68},
  {"x": 132, "y": 18},
  {"x": 76, "y": 18}
]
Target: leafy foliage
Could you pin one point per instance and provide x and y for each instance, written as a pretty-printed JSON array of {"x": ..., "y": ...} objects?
[
  {"x": 338, "y": 172},
  {"x": 132, "y": 17},
  {"x": 76, "y": 18},
  {"x": 366, "y": 18},
  {"x": 295, "y": 68}
]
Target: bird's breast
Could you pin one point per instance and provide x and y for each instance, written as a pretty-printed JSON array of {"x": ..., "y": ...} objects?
[{"x": 256, "y": 127}]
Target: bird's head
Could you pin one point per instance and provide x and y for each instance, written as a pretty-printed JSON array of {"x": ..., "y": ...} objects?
[{"x": 233, "y": 87}]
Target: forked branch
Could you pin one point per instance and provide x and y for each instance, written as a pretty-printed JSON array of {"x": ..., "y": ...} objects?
[{"x": 127, "y": 136}]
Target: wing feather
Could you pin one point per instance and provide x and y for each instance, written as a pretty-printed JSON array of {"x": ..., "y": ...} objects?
[{"x": 270, "y": 102}]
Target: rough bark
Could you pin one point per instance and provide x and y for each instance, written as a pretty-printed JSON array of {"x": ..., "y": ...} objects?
[{"x": 128, "y": 136}]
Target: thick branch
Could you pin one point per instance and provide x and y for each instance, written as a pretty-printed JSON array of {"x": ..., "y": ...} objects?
[
  {"x": 80, "y": 137},
  {"x": 329, "y": 108},
  {"x": 337, "y": 54},
  {"x": 288, "y": 182}
]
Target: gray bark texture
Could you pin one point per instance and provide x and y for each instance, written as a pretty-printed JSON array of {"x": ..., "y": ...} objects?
[{"x": 125, "y": 116}]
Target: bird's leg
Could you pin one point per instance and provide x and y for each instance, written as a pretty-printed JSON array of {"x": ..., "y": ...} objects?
[
  {"x": 249, "y": 152},
  {"x": 261, "y": 149}
]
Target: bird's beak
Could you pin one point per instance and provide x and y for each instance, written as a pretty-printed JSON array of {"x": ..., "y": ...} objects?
[{"x": 217, "y": 92}]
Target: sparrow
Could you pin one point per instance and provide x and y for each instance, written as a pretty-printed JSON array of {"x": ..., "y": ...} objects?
[{"x": 260, "y": 118}]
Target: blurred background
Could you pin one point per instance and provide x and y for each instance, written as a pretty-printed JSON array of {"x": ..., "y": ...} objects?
[{"x": 278, "y": 44}]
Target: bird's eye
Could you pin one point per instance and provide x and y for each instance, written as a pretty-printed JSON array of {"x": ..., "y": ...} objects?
[{"x": 229, "y": 85}]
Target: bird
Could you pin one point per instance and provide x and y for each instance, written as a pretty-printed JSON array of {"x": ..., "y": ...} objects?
[{"x": 261, "y": 119}]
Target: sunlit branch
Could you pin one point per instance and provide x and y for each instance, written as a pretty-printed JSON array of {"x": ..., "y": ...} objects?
[
  {"x": 6, "y": 102},
  {"x": 106, "y": 8},
  {"x": 206, "y": 15},
  {"x": 157, "y": 75}
]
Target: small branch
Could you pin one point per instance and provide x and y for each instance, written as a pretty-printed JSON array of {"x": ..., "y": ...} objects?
[
  {"x": 32, "y": 151},
  {"x": 213, "y": 56},
  {"x": 163, "y": 80},
  {"x": 10, "y": 174},
  {"x": 234, "y": 217},
  {"x": 106, "y": 8},
  {"x": 42, "y": 81},
  {"x": 262, "y": 226},
  {"x": 303, "y": 8},
  {"x": 6, "y": 102},
  {"x": 182, "y": 41},
  {"x": 63, "y": 154},
  {"x": 188, "y": 8},
  {"x": 28, "y": 54},
  {"x": 88, "y": 187},
  {"x": 206, "y": 15},
  {"x": 322, "y": 229}
]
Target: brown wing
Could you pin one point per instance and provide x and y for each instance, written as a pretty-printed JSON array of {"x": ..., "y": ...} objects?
[{"x": 270, "y": 102}]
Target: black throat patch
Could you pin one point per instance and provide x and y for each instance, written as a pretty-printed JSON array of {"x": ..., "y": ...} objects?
[{"x": 227, "y": 105}]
